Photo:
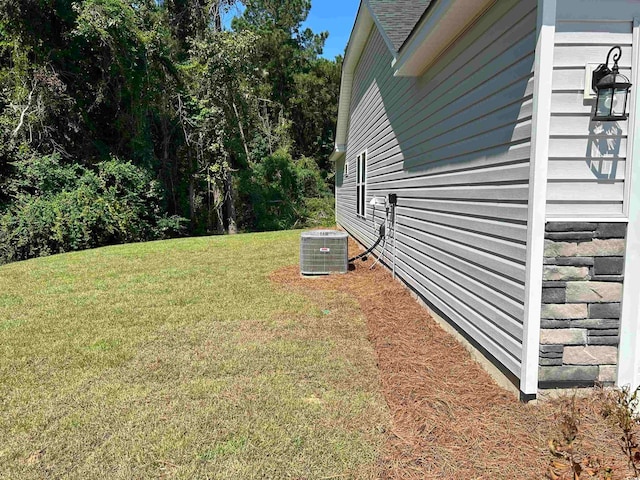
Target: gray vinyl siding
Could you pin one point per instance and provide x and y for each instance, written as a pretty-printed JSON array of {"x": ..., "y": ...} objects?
[
  {"x": 587, "y": 159},
  {"x": 454, "y": 145}
]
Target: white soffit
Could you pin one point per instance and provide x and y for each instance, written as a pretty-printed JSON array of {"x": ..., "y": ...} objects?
[{"x": 442, "y": 25}]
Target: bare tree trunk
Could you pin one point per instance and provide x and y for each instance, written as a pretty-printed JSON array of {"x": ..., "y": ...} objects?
[
  {"x": 218, "y": 202},
  {"x": 230, "y": 203},
  {"x": 244, "y": 140},
  {"x": 192, "y": 201},
  {"x": 215, "y": 12},
  {"x": 167, "y": 165},
  {"x": 266, "y": 125},
  {"x": 26, "y": 108}
]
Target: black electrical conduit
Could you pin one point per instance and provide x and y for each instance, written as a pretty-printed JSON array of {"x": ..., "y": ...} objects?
[{"x": 368, "y": 251}]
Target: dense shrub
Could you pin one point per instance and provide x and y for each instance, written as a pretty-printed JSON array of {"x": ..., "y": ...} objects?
[
  {"x": 283, "y": 193},
  {"x": 320, "y": 212},
  {"x": 62, "y": 207}
]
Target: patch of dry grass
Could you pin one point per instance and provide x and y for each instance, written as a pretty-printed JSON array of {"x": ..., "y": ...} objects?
[{"x": 180, "y": 359}]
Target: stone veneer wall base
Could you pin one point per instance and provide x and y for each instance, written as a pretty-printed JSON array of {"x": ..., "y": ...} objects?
[{"x": 581, "y": 295}]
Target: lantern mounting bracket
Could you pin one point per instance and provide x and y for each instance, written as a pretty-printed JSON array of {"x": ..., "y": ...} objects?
[{"x": 603, "y": 70}]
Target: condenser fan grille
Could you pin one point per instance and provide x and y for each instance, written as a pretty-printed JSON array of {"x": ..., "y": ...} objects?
[{"x": 323, "y": 252}]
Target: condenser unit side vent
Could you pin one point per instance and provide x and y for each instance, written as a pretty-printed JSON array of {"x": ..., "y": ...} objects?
[{"x": 323, "y": 252}]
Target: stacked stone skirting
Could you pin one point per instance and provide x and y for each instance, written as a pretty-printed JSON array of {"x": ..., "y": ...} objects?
[{"x": 581, "y": 295}]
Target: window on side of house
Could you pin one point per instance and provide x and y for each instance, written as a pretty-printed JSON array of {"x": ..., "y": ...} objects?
[
  {"x": 361, "y": 183},
  {"x": 346, "y": 168}
]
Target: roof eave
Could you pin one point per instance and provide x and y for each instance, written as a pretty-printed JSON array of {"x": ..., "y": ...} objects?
[
  {"x": 338, "y": 152},
  {"x": 444, "y": 22},
  {"x": 357, "y": 41},
  {"x": 440, "y": 26}
]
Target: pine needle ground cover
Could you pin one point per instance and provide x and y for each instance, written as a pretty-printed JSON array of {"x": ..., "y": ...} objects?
[
  {"x": 180, "y": 359},
  {"x": 449, "y": 419}
]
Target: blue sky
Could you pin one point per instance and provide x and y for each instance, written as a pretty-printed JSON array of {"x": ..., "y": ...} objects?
[
  {"x": 336, "y": 17},
  {"x": 333, "y": 16}
]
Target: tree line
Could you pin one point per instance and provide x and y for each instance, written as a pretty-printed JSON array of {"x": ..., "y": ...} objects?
[{"x": 126, "y": 121}]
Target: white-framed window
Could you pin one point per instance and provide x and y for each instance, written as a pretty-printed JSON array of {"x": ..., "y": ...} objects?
[{"x": 361, "y": 184}]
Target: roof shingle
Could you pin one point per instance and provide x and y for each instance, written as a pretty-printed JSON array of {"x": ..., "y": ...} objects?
[{"x": 398, "y": 18}]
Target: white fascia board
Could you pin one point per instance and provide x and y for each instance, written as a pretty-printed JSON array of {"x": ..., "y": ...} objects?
[
  {"x": 357, "y": 42},
  {"x": 588, "y": 219},
  {"x": 433, "y": 35},
  {"x": 541, "y": 126},
  {"x": 344, "y": 105}
]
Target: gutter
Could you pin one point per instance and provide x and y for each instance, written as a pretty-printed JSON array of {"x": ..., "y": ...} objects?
[
  {"x": 357, "y": 41},
  {"x": 338, "y": 152}
]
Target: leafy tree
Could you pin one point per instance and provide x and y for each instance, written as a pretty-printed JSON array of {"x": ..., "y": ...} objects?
[
  {"x": 314, "y": 108},
  {"x": 284, "y": 48},
  {"x": 211, "y": 121},
  {"x": 222, "y": 77}
]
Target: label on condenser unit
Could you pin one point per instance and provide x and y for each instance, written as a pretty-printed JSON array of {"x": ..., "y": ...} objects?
[{"x": 325, "y": 250}]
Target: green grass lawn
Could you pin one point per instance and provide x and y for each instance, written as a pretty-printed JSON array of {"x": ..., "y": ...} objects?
[{"x": 180, "y": 359}]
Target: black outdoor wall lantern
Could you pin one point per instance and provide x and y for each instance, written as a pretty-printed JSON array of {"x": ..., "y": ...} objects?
[{"x": 612, "y": 89}]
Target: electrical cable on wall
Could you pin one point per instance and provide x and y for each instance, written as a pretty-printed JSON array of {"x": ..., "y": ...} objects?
[
  {"x": 370, "y": 249},
  {"x": 384, "y": 229}
]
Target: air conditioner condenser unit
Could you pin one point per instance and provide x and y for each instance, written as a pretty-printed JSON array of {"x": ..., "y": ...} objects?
[{"x": 323, "y": 252}]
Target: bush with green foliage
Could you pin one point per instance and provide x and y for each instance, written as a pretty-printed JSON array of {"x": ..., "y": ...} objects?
[
  {"x": 63, "y": 207},
  {"x": 284, "y": 193},
  {"x": 320, "y": 212}
]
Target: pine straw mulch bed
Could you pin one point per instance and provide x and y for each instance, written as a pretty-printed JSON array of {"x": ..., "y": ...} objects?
[{"x": 449, "y": 419}]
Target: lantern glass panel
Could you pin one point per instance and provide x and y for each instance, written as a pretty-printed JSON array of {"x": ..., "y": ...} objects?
[
  {"x": 605, "y": 99},
  {"x": 619, "y": 102}
]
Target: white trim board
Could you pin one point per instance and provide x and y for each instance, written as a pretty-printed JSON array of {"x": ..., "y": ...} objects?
[
  {"x": 588, "y": 219},
  {"x": 631, "y": 133},
  {"x": 362, "y": 179},
  {"x": 629, "y": 347},
  {"x": 541, "y": 125}
]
